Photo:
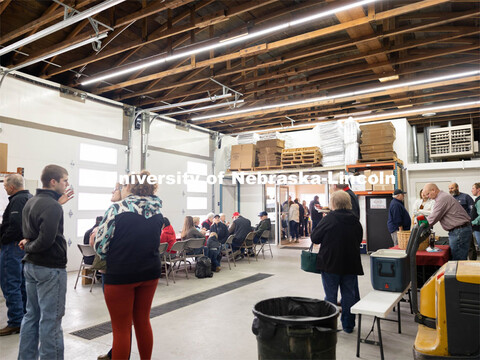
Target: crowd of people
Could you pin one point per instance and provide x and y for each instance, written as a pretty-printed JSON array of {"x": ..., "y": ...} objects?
[{"x": 127, "y": 238}]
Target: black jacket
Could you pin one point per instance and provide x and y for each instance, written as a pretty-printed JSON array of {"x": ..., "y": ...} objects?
[
  {"x": 355, "y": 205},
  {"x": 301, "y": 211},
  {"x": 340, "y": 235},
  {"x": 314, "y": 214},
  {"x": 11, "y": 229},
  {"x": 222, "y": 231},
  {"x": 42, "y": 224},
  {"x": 240, "y": 228},
  {"x": 262, "y": 226}
]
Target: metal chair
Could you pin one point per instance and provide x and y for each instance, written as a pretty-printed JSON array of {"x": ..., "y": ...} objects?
[
  {"x": 192, "y": 245},
  {"x": 177, "y": 257},
  {"x": 86, "y": 250},
  {"x": 265, "y": 236},
  {"x": 228, "y": 252},
  {"x": 248, "y": 244},
  {"x": 162, "y": 250}
]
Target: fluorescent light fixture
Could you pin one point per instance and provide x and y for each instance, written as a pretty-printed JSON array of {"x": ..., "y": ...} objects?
[
  {"x": 235, "y": 37},
  {"x": 191, "y": 102},
  {"x": 226, "y": 42},
  {"x": 388, "y": 78},
  {"x": 205, "y": 107},
  {"x": 61, "y": 25},
  {"x": 342, "y": 95},
  {"x": 61, "y": 51},
  {"x": 429, "y": 114},
  {"x": 385, "y": 115}
]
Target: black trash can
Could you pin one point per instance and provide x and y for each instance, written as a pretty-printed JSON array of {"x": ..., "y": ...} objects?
[{"x": 295, "y": 328}]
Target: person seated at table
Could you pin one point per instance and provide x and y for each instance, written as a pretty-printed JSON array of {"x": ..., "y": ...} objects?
[
  {"x": 223, "y": 220},
  {"x": 168, "y": 234},
  {"x": 263, "y": 225},
  {"x": 208, "y": 222},
  {"x": 423, "y": 205},
  {"x": 340, "y": 234},
  {"x": 212, "y": 251},
  {"x": 196, "y": 222},
  {"x": 240, "y": 228},
  {"x": 86, "y": 240},
  {"x": 220, "y": 229},
  {"x": 189, "y": 231}
]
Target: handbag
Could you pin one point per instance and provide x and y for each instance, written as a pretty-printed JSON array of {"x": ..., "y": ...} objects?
[
  {"x": 308, "y": 261},
  {"x": 98, "y": 263}
]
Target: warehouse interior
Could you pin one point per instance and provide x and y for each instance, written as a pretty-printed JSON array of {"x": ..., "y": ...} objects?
[{"x": 219, "y": 88}]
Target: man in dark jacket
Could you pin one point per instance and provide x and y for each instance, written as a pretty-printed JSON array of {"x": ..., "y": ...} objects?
[
  {"x": 464, "y": 199},
  {"x": 12, "y": 280},
  {"x": 240, "y": 228},
  {"x": 398, "y": 217},
  {"x": 340, "y": 234},
  {"x": 220, "y": 228},
  {"x": 263, "y": 225},
  {"x": 314, "y": 214},
  {"x": 44, "y": 268}
]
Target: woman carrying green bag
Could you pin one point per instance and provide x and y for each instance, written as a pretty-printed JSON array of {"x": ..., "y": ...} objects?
[{"x": 339, "y": 235}]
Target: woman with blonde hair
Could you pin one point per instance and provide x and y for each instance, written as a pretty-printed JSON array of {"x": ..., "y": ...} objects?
[
  {"x": 189, "y": 230},
  {"x": 128, "y": 239}
]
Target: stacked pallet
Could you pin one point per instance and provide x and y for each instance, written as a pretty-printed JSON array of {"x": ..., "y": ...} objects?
[
  {"x": 269, "y": 153},
  {"x": 300, "y": 157},
  {"x": 377, "y": 142}
]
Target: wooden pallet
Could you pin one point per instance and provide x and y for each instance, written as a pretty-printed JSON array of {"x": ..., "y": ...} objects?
[
  {"x": 242, "y": 169},
  {"x": 381, "y": 159},
  {"x": 304, "y": 165},
  {"x": 268, "y": 167},
  {"x": 311, "y": 148}
]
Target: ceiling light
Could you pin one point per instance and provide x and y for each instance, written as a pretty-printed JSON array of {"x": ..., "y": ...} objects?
[
  {"x": 429, "y": 114},
  {"x": 205, "y": 108},
  {"x": 388, "y": 78},
  {"x": 61, "y": 51},
  {"x": 61, "y": 25},
  {"x": 342, "y": 95},
  {"x": 191, "y": 102},
  {"x": 233, "y": 40}
]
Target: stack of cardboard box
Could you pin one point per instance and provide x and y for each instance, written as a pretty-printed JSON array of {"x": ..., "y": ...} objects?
[
  {"x": 377, "y": 142},
  {"x": 243, "y": 157},
  {"x": 269, "y": 152},
  {"x": 3, "y": 157}
]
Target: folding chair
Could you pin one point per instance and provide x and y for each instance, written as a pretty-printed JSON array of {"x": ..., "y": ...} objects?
[
  {"x": 192, "y": 245},
  {"x": 266, "y": 237},
  {"x": 162, "y": 249},
  {"x": 86, "y": 250},
  {"x": 178, "y": 257},
  {"x": 228, "y": 252},
  {"x": 248, "y": 244}
]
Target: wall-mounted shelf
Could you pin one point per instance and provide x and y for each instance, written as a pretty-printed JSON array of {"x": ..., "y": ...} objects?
[
  {"x": 373, "y": 192},
  {"x": 395, "y": 166}
]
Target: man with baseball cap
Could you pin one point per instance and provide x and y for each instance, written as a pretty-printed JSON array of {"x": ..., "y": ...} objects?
[
  {"x": 240, "y": 228},
  {"x": 398, "y": 217},
  {"x": 263, "y": 225}
]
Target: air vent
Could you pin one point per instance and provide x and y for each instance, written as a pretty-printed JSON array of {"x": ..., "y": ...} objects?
[{"x": 454, "y": 141}]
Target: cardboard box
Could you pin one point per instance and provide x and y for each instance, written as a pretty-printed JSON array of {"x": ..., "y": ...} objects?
[
  {"x": 271, "y": 143},
  {"x": 368, "y": 186},
  {"x": 270, "y": 150},
  {"x": 383, "y": 187},
  {"x": 3, "y": 157},
  {"x": 243, "y": 156},
  {"x": 86, "y": 272},
  {"x": 376, "y": 148}
]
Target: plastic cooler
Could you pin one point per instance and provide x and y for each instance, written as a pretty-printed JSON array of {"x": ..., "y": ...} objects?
[{"x": 390, "y": 270}]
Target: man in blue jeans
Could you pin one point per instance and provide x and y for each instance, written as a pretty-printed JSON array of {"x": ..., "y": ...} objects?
[
  {"x": 453, "y": 218},
  {"x": 12, "y": 280},
  {"x": 41, "y": 334}
]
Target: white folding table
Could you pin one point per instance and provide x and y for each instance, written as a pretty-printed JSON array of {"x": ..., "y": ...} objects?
[{"x": 377, "y": 304}]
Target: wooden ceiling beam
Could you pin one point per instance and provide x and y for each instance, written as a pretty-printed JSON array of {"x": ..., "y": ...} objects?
[
  {"x": 288, "y": 41},
  {"x": 40, "y": 22},
  {"x": 162, "y": 32},
  {"x": 3, "y": 5},
  {"x": 294, "y": 55}
]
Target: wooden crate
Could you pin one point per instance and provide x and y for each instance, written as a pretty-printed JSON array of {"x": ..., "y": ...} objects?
[{"x": 301, "y": 157}]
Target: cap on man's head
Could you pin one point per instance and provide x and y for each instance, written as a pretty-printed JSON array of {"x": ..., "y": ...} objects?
[
  {"x": 236, "y": 213},
  {"x": 398, "y": 192},
  {"x": 263, "y": 213},
  {"x": 216, "y": 216}
]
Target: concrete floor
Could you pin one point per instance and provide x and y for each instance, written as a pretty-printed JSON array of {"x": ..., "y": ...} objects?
[{"x": 218, "y": 327}]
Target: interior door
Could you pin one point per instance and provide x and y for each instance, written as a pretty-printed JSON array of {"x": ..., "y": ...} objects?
[
  {"x": 229, "y": 203},
  {"x": 281, "y": 212},
  {"x": 378, "y": 236}
]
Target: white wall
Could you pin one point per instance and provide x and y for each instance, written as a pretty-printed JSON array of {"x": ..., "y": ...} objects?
[
  {"x": 251, "y": 202},
  {"x": 23, "y": 101}
]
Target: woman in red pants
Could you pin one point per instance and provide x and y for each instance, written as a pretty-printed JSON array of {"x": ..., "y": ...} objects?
[{"x": 128, "y": 238}]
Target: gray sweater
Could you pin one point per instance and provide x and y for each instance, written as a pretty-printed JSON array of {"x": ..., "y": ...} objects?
[{"x": 42, "y": 224}]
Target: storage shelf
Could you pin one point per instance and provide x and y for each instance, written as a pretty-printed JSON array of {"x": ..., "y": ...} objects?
[{"x": 373, "y": 192}]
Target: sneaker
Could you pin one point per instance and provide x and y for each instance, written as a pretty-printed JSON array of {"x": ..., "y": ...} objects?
[
  {"x": 7, "y": 330},
  {"x": 251, "y": 254},
  {"x": 238, "y": 257},
  {"x": 218, "y": 269},
  {"x": 104, "y": 357},
  {"x": 348, "y": 330}
]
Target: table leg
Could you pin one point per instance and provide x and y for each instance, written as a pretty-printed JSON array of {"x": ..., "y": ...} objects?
[
  {"x": 358, "y": 333},
  {"x": 380, "y": 338},
  {"x": 399, "y": 320}
]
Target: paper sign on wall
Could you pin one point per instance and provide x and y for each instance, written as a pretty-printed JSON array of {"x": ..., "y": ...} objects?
[{"x": 378, "y": 203}]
